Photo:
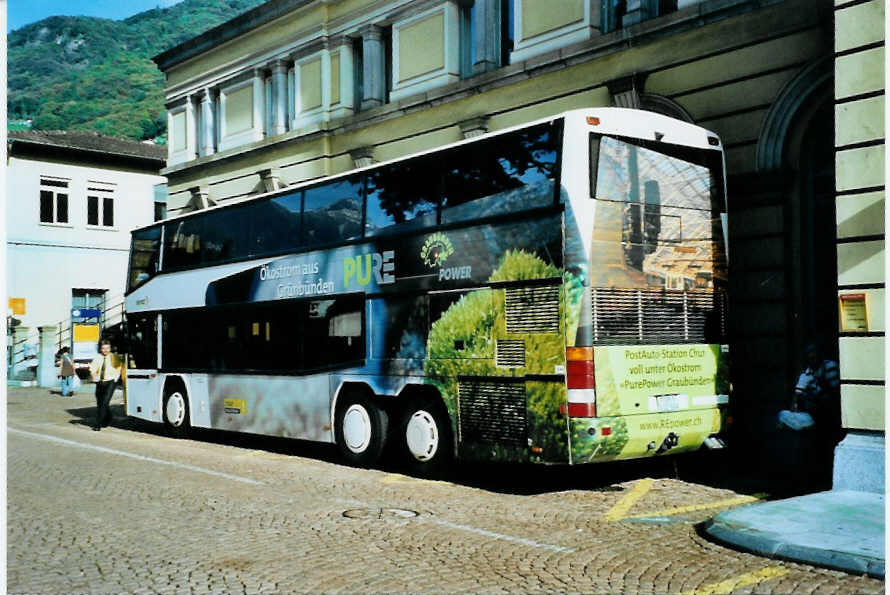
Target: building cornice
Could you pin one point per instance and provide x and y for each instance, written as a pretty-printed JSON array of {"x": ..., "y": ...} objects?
[
  {"x": 261, "y": 15},
  {"x": 707, "y": 12}
]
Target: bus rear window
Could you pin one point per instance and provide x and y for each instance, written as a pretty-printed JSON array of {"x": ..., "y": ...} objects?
[
  {"x": 144, "y": 254},
  {"x": 628, "y": 172}
]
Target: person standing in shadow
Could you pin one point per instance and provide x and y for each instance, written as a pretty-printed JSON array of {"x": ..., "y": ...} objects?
[{"x": 105, "y": 370}]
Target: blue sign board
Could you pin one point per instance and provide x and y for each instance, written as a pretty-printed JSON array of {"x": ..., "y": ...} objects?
[{"x": 86, "y": 313}]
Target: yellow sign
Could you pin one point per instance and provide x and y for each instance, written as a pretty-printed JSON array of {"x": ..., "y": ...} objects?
[
  {"x": 854, "y": 312},
  {"x": 235, "y": 406},
  {"x": 17, "y": 305},
  {"x": 85, "y": 333}
]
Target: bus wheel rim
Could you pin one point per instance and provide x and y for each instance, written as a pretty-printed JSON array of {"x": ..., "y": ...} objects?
[
  {"x": 422, "y": 436},
  {"x": 176, "y": 409},
  {"x": 356, "y": 428}
]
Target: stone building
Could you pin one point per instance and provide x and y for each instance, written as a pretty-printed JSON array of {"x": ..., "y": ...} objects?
[{"x": 301, "y": 89}]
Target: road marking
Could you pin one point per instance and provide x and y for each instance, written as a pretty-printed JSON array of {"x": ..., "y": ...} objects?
[
  {"x": 694, "y": 507},
  {"x": 499, "y": 536},
  {"x": 134, "y": 456},
  {"x": 397, "y": 478},
  {"x": 476, "y": 530},
  {"x": 620, "y": 509},
  {"x": 743, "y": 580}
]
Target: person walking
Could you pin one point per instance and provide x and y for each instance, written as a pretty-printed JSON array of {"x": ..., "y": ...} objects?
[
  {"x": 105, "y": 369},
  {"x": 66, "y": 372}
]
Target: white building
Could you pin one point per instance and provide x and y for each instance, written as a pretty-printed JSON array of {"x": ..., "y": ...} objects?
[{"x": 72, "y": 200}]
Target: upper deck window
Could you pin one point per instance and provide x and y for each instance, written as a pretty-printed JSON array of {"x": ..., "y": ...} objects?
[
  {"x": 501, "y": 175},
  {"x": 333, "y": 212}
]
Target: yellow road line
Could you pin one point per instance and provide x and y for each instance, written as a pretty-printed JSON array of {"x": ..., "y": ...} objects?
[
  {"x": 620, "y": 509},
  {"x": 694, "y": 507},
  {"x": 397, "y": 478},
  {"x": 743, "y": 580}
]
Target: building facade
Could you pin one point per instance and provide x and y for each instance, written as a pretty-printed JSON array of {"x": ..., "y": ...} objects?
[
  {"x": 301, "y": 89},
  {"x": 72, "y": 200},
  {"x": 859, "y": 86}
]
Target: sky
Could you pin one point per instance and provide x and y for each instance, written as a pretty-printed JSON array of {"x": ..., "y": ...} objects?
[{"x": 24, "y": 12}]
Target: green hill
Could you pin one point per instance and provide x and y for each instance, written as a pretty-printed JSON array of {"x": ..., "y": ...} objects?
[{"x": 85, "y": 73}]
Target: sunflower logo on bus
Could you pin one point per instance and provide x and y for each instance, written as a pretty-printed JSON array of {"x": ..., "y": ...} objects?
[{"x": 436, "y": 250}]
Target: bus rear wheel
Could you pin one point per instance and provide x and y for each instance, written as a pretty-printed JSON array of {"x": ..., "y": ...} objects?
[
  {"x": 424, "y": 443},
  {"x": 360, "y": 430},
  {"x": 176, "y": 411}
]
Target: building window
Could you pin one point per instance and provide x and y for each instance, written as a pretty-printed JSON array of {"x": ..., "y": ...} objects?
[
  {"x": 386, "y": 34},
  {"x": 160, "y": 194},
  {"x": 618, "y": 14},
  {"x": 53, "y": 200},
  {"x": 100, "y": 206},
  {"x": 507, "y": 20},
  {"x": 358, "y": 76},
  {"x": 467, "y": 39}
]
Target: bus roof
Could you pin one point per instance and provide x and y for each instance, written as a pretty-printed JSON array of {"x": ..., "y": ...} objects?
[{"x": 614, "y": 111}]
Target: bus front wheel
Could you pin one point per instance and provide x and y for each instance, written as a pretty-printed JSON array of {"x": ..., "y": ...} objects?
[
  {"x": 360, "y": 430},
  {"x": 176, "y": 411},
  {"x": 424, "y": 434}
]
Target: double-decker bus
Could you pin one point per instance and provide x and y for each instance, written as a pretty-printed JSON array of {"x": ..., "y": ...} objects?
[{"x": 552, "y": 293}]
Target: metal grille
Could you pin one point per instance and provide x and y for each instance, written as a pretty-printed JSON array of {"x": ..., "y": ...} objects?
[
  {"x": 533, "y": 309},
  {"x": 655, "y": 316},
  {"x": 510, "y": 353},
  {"x": 492, "y": 412}
]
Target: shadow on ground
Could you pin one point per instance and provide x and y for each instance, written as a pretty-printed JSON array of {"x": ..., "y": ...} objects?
[{"x": 718, "y": 469}]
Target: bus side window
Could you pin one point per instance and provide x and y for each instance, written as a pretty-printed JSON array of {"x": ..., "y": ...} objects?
[
  {"x": 402, "y": 196},
  {"x": 333, "y": 212},
  {"x": 183, "y": 243},
  {"x": 275, "y": 224},
  {"x": 505, "y": 174},
  {"x": 224, "y": 235},
  {"x": 334, "y": 331}
]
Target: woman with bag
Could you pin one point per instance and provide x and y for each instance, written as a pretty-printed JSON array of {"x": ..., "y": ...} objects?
[{"x": 66, "y": 373}]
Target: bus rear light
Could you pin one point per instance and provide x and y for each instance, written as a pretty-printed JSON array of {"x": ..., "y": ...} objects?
[
  {"x": 593, "y": 120},
  {"x": 580, "y": 368},
  {"x": 606, "y": 430},
  {"x": 578, "y": 354},
  {"x": 582, "y": 409},
  {"x": 579, "y": 375},
  {"x": 581, "y": 403}
]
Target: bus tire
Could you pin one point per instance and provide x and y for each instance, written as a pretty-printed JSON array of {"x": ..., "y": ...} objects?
[
  {"x": 176, "y": 410},
  {"x": 424, "y": 440},
  {"x": 360, "y": 429}
]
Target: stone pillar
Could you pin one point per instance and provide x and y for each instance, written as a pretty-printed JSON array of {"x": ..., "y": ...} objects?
[
  {"x": 259, "y": 101},
  {"x": 19, "y": 337},
  {"x": 347, "y": 80},
  {"x": 373, "y": 67},
  {"x": 291, "y": 96},
  {"x": 191, "y": 139},
  {"x": 46, "y": 357},
  {"x": 487, "y": 35},
  {"x": 279, "y": 97},
  {"x": 208, "y": 133}
]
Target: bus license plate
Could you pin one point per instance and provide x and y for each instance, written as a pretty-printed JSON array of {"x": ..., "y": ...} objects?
[{"x": 668, "y": 402}]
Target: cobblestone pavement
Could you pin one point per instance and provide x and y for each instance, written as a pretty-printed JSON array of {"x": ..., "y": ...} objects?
[{"x": 131, "y": 510}]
